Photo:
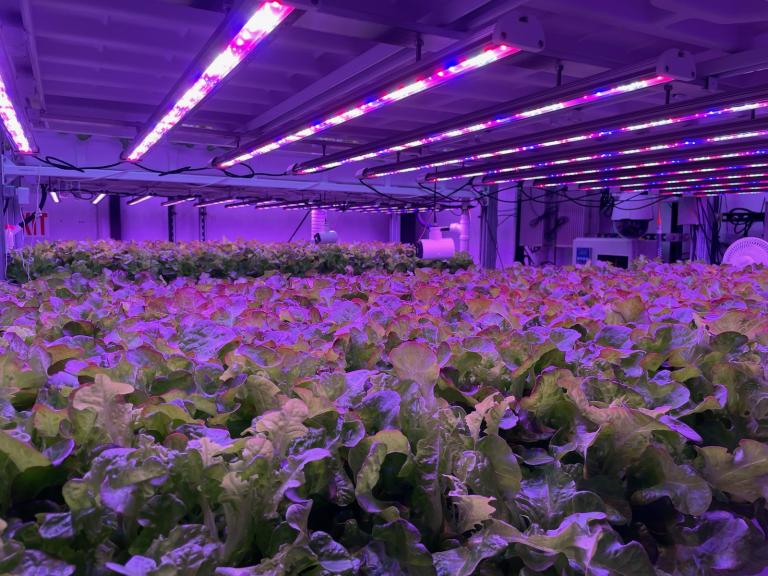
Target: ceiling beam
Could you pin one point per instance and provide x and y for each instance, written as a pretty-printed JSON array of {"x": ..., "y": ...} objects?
[
  {"x": 29, "y": 28},
  {"x": 317, "y": 92},
  {"x": 192, "y": 180},
  {"x": 249, "y": 25}
]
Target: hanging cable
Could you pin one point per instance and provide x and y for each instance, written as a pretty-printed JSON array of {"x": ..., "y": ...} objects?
[
  {"x": 65, "y": 165},
  {"x": 306, "y": 215}
]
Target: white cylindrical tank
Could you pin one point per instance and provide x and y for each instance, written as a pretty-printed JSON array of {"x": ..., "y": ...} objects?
[
  {"x": 436, "y": 247},
  {"x": 326, "y": 237}
]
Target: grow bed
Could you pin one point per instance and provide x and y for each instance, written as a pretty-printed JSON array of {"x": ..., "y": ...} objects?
[
  {"x": 536, "y": 421},
  {"x": 170, "y": 260}
]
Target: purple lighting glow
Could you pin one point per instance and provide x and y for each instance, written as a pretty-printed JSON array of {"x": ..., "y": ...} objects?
[
  {"x": 177, "y": 201},
  {"x": 266, "y": 18},
  {"x": 385, "y": 171},
  {"x": 724, "y": 180},
  {"x": 138, "y": 200},
  {"x": 649, "y": 164},
  {"x": 747, "y": 188},
  {"x": 21, "y": 140},
  {"x": 586, "y": 98},
  {"x": 206, "y": 203},
  {"x": 613, "y": 180},
  {"x": 723, "y": 185},
  {"x": 717, "y": 139},
  {"x": 485, "y": 57}
]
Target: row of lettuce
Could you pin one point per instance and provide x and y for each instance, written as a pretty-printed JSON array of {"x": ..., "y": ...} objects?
[
  {"x": 169, "y": 260},
  {"x": 535, "y": 422}
]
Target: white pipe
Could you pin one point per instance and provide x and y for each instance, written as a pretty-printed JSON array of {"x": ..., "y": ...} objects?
[
  {"x": 318, "y": 222},
  {"x": 464, "y": 231}
]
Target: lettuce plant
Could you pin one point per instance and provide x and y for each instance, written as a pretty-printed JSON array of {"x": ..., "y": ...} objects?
[
  {"x": 550, "y": 421},
  {"x": 168, "y": 260}
]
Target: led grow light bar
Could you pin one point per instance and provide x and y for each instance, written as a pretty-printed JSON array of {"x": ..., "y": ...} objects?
[
  {"x": 724, "y": 185},
  {"x": 671, "y": 65},
  {"x": 646, "y": 164},
  {"x": 240, "y": 204},
  {"x": 99, "y": 198},
  {"x": 251, "y": 203},
  {"x": 751, "y": 187},
  {"x": 267, "y": 206},
  {"x": 207, "y": 203},
  {"x": 20, "y": 138},
  {"x": 263, "y": 21},
  {"x": 509, "y": 35},
  {"x": 712, "y": 135},
  {"x": 494, "y": 122},
  {"x": 138, "y": 200},
  {"x": 14, "y": 122},
  {"x": 177, "y": 201},
  {"x": 695, "y": 180},
  {"x": 54, "y": 196},
  {"x": 449, "y": 72},
  {"x": 583, "y": 133},
  {"x": 640, "y": 174}
]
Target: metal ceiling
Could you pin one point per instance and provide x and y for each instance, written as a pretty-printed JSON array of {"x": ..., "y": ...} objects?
[{"x": 99, "y": 68}]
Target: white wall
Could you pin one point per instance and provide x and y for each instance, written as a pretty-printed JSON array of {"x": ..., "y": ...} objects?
[{"x": 73, "y": 219}]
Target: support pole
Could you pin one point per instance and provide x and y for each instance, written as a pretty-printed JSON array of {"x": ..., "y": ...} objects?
[
  {"x": 115, "y": 218},
  {"x": 171, "y": 223},
  {"x": 3, "y": 220},
  {"x": 394, "y": 228},
  {"x": 714, "y": 246},
  {"x": 519, "y": 249},
  {"x": 489, "y": 248},
  {"x": 765, "y": 216},
  {"x": 202, "y": 214}
]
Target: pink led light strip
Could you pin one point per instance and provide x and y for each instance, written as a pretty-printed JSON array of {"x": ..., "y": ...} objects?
[
  {"x": 601, "y": 94},
  {"x": 373, "y": 173},
  {"x": 613, "y": 180},
  {"x": 485, "y": 57},
  {"x": 695, "y": 181},
  {"x": 266, "y": 18},
  {"x": 649, "y": 164},
  {"x": 750, "y": 188},
  {"x": 12, "y": 124},
  {"x": 744, "y": 134},
  {"x": 724, "y": 185}
]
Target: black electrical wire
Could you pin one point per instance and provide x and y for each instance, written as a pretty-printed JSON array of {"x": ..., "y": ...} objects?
[
  {"x": 64, "y": 165},
  {"x": 251, "y": 172},
  {"x": 743, "y": 219},
  {"x": 306, "y": 215},
  {"x": 380, "y": 193},
  {"x": 434, "y": 192},
  {"x": 565, "y": 199},
  {"x": 482, "y": 195}
]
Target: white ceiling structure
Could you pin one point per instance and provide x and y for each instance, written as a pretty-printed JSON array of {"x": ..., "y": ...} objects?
[{"x": 90, "y": 73}]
